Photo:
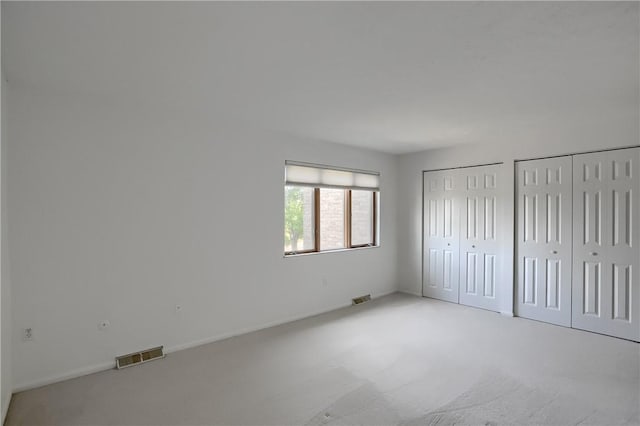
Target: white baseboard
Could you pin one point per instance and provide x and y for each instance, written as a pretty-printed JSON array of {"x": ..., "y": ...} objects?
[
  {"x": 79, "y": 372},
  {"x": 111, "y": 364},
  {"x": 5, "y": 407},
  {"x": 507, "y": 313},
  {"x": 264, "y": 326},
  {"x": 248, "y": 330},
  {"x": 413, "y": 293}
]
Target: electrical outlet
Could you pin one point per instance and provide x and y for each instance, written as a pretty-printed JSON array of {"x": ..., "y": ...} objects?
[
  {"x": 27, "y": 334},
  {"x": 103, "y": 325}
]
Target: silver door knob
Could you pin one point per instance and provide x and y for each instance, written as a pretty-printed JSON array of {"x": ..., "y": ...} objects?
[
  {"x": 448, "y": 244},
  {"x": 473, "y": 246},
  {"x": 554, "y": 251},
  {"x": 594, "y": 253}
]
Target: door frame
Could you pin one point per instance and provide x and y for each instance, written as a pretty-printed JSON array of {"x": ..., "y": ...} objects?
[
  {"x": 515, "y": 211},
  {"x": 517, "y": 256},
  {"x": 506, "y": 211}
]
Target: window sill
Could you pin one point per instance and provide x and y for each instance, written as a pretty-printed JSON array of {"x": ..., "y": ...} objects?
[{"x": 330, "y": 251}]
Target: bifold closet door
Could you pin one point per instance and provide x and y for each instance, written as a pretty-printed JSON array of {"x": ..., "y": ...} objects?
[
  {"x": 441, "y": 235},
  {"x": 480, "y": 260},
  {"x": 543, "y": 240},
  {"x": 606, "y": 241}
]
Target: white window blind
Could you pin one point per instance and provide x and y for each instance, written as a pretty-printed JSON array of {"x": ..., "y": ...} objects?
[{"x": 307, "y": 174}]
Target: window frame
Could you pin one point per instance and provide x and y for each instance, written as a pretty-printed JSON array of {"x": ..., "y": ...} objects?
[
  {"x": 348, "y": 219},
  {"x": 316, "y": 234}
]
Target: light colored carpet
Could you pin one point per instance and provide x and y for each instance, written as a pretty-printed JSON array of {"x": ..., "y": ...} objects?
[{"x": 399, "y": 360}]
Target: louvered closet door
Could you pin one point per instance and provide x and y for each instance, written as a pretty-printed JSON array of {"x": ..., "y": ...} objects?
[
  {"x": 606, "y": 240},
  {"x": 543, "y": 245},
  {"x": 441, "y": 235},
  {"x": 480, "y": 261}
]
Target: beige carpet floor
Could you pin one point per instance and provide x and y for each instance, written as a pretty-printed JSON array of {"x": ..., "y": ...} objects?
[{"x": 398, "y": 360}]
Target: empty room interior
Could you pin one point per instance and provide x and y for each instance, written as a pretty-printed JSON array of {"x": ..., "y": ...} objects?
[{"x": 320, "y": 213}]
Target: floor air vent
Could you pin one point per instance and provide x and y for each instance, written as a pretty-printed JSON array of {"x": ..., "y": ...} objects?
[
  {"x": 361, "y": 299},
  {"x": 139, "y": 357}
]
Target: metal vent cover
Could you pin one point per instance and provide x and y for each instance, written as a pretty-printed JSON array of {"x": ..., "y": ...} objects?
[
  {"x": 361, "y": 299},
  {"x": 139, "y": 357}
]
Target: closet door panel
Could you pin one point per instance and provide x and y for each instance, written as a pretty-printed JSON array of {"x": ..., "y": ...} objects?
[
  {"x": 441, "y": 223},
  {"x": 543, "y": 239},
  {"x": 479, "y": 245},
  {"x": 606, "y": 290}
]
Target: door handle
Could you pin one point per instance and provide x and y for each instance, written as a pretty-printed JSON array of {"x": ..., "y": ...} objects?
[
  {"x": 593, "y": 253},
  {"x": 473, "y": 246},
  {"x": 554, "y": 251},
  {"x": 448, "y": 244}
]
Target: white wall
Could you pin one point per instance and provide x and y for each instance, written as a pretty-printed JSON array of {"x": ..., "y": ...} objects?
[
  {"x": 6, "y": 385},
  {"x": 610, "y": 132},
  {"x": 120, "y": 212}
]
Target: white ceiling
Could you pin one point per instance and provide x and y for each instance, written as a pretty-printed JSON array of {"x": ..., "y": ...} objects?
[{"x": 391, "y": 76}]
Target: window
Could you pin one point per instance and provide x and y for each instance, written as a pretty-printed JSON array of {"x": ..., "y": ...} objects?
[
  {"x": 329, "y": 208},
  {"x": 362, "y": 218},
  {"x": 332, "y": 223},
  {"x": 299, "y": 214}
]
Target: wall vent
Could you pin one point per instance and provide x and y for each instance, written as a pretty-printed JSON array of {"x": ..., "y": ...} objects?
[
  {"x": 361, "y": 299},
  {"x": 139, "y": 357}
]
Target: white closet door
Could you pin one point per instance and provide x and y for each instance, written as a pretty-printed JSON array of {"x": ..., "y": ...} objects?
[
  {"x": 480, "y": 261},
  {"x": 606, "y": 241},
  {"x": 441, "y": 235},
  {"x": 543, "y": 245}
]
